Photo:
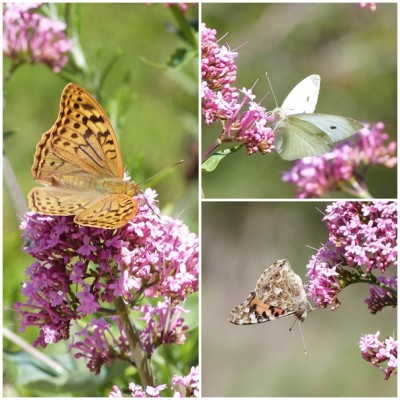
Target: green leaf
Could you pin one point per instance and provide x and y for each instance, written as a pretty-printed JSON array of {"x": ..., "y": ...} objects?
[
  {"x": 177, "y": 58},
  {"x": 212, "y": 162}
]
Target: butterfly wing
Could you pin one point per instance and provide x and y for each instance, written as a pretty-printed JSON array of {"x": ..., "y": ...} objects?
[
  {"x": 112, "y": 211},
  {"x": 295, "y": 138},
  {"x": 252, "y": 311},
  {"x": 335, "y": 126},
  {"x": 46, "y": 163},
  {"x": 306, "y": 135},
  {"x": 303, "y": 97},
  {"x": 89, "y": 207},
  {"x": 83, "y": 135},
  {"x": 279, "y": 293},
  {"x": 60, "y": 201}
]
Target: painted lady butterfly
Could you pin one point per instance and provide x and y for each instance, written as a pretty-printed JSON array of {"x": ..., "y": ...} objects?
[{"x": 279, "y": 293}]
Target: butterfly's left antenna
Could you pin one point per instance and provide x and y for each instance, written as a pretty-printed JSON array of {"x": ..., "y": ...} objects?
[{"x": 272, "y": 90}]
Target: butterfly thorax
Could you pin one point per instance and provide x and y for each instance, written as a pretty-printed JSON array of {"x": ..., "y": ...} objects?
[{"x": 102, "y": 185}]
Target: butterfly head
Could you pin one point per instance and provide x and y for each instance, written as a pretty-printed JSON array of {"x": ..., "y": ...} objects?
[{"x": 132, "y": 189}]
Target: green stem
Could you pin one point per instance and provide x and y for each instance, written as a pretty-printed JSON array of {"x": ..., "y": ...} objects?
[
  {"x": 139, "y": 356},
  {"x": 184, "y": 26},
  {"x": 356, "y": 189},
  {"x": 18, "y": 200},
  {"x": 15, "y": 65},
  {"x": 373, "y": 281}
]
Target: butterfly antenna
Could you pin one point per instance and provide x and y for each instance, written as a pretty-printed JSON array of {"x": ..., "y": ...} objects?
[
  {"x": 163, "y": 171},
  {"x": 147, "y": 202},
  {"x": 312, "y": 248},
  {"x": 154, "y": 176},
  {"x": 226, "y": 34},
  {"x": 272, "y": 90},
  {"x": 302, "y": 338}
]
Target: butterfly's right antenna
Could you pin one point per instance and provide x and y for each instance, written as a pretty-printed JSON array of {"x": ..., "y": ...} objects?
[
  {"x": 154, "y": 176},
  {"x": 302, "y": 337},
  {"x": 272, "y": 90},
  {"x": 163, "y": 171}
]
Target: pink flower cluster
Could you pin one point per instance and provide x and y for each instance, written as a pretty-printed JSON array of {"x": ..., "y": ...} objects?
[
  {"x": 187, "y": 386},
  {"x": 362, "y": 240},
  {"x": 371, "y": 6},
  {"x": 80, "y": 268},
  {"x": 376, "y": 352},
  {"x": 98, "y": 344},
  {"x": 182, "y": 6},
  {"x": 344, "y": 167},
  {"x": 221, "y": 101},
  {"x": 380, "y": 297},
  {"x": 164, "y": 324},
  {"x": 31, "y": 37}
]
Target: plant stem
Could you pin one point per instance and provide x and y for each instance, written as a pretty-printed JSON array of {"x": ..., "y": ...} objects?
[
  {"x": 184, "y": 26},
  {"x": 139, "y": 356},
  {"x": 18, "y": 200},
  {"x": 356, "y": 189},
  {"x": 210, "y": 150},
  {"x": 15, "y": 65}
]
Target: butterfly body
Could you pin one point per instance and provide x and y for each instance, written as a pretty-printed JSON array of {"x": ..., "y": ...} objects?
[
  {"x": 302, "y": 133},
  {"x": 279, "y": 293},
  {"x": 80, "y": 162}
]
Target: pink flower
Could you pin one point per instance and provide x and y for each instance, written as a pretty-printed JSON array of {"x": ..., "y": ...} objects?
[
  {"x": 362, "y": 241},
  {"x": 372, "y": 6},
  {"x": 31, "y": 37},
  {"x": 157, "y": 256},
  {"x": 376, "y": 352},
  {"x": 243, "y": 120},
  {"x": 181, "y": 386}
]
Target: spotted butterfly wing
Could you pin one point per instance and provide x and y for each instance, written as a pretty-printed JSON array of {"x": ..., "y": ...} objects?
[{"x": 279, "y": 293}]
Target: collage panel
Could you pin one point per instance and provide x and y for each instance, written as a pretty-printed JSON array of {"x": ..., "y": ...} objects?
[
  {"x": 100, "y": 235},
  {"x": 322, "y": 123},
  {"x": 259, "y": 262}
]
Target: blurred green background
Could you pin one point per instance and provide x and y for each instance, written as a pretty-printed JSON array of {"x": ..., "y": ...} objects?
[
  {"x": 240, "y": 240},
  {"x": 160, "y": 127},
  {"x": 354, "y": 51}
]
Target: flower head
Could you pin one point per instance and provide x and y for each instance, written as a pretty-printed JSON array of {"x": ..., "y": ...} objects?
[
  {"x": 362, "y": 240},
  {"x": 33, "y": 38},
  {"x": 244, "y": 120},
  {"x": 80, "y": 268},
  {"x": 380, "y": 296},
  {"x": 181, "y": 386},
  {"x": 377, "y": 352},
  {"x": 370, "y": 5}
]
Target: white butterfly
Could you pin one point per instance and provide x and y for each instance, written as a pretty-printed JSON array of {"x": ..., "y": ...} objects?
[{"x": 301, "y": 133}]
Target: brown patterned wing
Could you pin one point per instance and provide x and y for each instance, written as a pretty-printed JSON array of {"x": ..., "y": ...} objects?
[
  {"x": 112, "y": 211},
  {"x": 83, "y": 135},
  {"x": 279, "y": 293},
  {"x": 46, "y": 163},
  {"x": 283, "y": 289},
  {"x": 254, "y": 311},
  {"x": 60, "y": 201}
]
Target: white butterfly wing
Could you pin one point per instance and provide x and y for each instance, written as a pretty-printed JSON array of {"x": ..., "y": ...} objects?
[
  {"x": 335, "y": 126},
  {"x": 296, "y": 139},
  {"x": 306, "y": 135},
  {"x": 303, "y": 97}
]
